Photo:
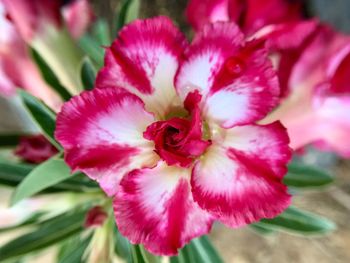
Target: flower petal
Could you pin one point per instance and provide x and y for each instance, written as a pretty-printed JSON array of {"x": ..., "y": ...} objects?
[
  {"x": 201, "y": 12},
  {"x": 78, "y": 16},
  {"x": 101, "y": 132},
  {"x": 236, "y": 80},
  {"x": 154, "y": 207},
  {"x": 239, "y": 180},
  {"x": 144, "y": 59}
]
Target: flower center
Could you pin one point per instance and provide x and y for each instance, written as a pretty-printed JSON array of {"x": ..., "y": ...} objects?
[
  {"x": 234, "y": 66},
  {"x": 178, "y": 141}
]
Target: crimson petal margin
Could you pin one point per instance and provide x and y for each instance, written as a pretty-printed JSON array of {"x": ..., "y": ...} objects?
[
  {"x": 240, "y": 180},
  {"x": 101, "y": 132},
  {"x": 228, "y": 100},
  {"x": 154, "y": 207},
  {"x": 144, "y": 59}
]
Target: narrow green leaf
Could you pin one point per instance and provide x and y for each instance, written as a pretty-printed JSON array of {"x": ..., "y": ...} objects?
[
  {"x": 41, "y": 177},
  {"x": 297, "y": 221},
  {"x": 122, "y": 246},
  {"x": 205, "y": 251},
  {"x": 185, "y": 255},
  {"x": 261, "y": 229},
  {"x": 50, "y": 232},
  {"x": 101, "y": 32},
  {"x": 128, "y": 11},
  {"x": 122, "y": 14},
  {"x": 199, "y": 250},
  {"x": 13, "y": 173},
  {"x": 43, "y": 116},
  {"x": 73, "y": 250},
  {"x": 137, "y": 255},
  {"x": 88, "y": 74},
  {"x": 93, "y": 49},
  {"x": 34, "y": 218},
  {"x": 304, "y": 176},
  {"x": 132, "y": 11},
  {"x": 49, "y": 76},
  {"x": 148, "y": 257}
]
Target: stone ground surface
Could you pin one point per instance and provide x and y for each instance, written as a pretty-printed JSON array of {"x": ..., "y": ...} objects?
[{"x": 243, "y": 245}]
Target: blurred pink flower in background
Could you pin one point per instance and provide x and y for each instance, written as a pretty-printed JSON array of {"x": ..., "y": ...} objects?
[
  {"x": 35, "y": 149},
  {"x": 16, "y": 67},
  {"x": 250, "y": 15},
  {"x": 78, "y": 15},
  {"x": 42, "y": 26},
  {"x": 95, "y": 217},
  {"x": 315, "y": 77},
  {"x": 31, "y": 17}
]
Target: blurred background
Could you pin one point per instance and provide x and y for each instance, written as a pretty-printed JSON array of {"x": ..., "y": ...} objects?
[{"x": 243, "y": 245}]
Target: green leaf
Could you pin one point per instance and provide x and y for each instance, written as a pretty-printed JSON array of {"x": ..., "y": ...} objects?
[
  {"x": 261, "y": 229},
  {"x": 42, "y": 115},
  {"x": 88, "y": 74},
  {"x": 93, "y": 49},
  {"x": 101, "y": 32},
  {"x": 122, "y": 246},
  {"x": 304, "y": 176},
  {"x": 50, "y": 232},
  {"x": 137, "y": 255},
  {"x": 297, "y": 221},
  {"x": 9, "y": 140},
  {"x": 185, "y": 255},
  {"x": 121, "y": 15},
  {"x": 41, "y": 177},
  {"x": 199, "y": 250},
  {"x": 49, "y": 76},
  {"x": 132, "y": 11},
  {"x": 34, "y": 218},
  {"x": 128, "y": 12},
  {"x": 73, "y": 250},
  {"x": 148, "y": 257},
  {"x": 13, "y": 173}
]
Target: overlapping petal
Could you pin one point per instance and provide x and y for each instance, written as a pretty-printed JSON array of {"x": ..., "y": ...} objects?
[
  {"x": 250, "y": 15},
  {"x": 236, "y": 80},
  {"x": 101, "y": 132},
  {"x": 239, "y": 179},
  {"x": 144, "y": 59},
  {"x": 154, "y": 207}
]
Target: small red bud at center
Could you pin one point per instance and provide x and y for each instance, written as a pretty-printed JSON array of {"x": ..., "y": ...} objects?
[{"x": 234, "y": 66}]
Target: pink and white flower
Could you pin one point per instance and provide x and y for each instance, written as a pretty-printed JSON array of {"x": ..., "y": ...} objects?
[
  {"x": 170, "y": 132},
  {"x": 314, "y": 77},
  {"x": 250, "y": 15}
]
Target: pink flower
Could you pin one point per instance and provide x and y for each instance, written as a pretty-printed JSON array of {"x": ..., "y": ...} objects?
[
  {"x": 170, "y": 132},
  {"x": 315, "y": 79},
  {"x": 16, "y": 68},
  {"x": 78, "y": 16},
  {"x": 35, "y": 149},
  {"x": 95, "y": 217},
  {"x": 250, "y": 15},
  {"x": 31, "y": 17}
]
